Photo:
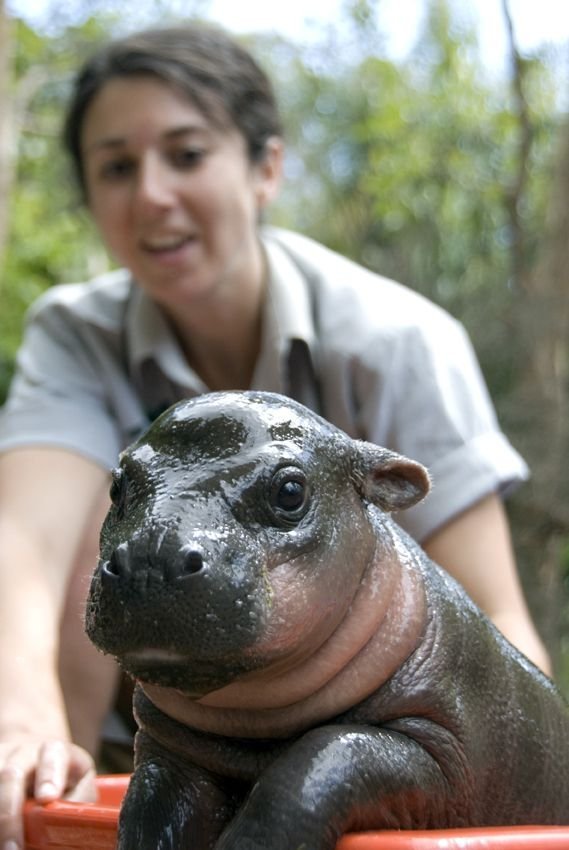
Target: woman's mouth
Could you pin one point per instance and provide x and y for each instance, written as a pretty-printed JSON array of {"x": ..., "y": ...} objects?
[
  {"x": 169, "y": 250},
  {"x": 167, "y": 244}
]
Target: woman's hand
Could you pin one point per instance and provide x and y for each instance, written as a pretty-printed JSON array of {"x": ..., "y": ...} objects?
[{"x": 46, "y": 770}]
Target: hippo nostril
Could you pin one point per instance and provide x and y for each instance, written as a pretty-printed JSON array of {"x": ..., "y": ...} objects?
[
  {"x": 186, "y": 563},
  {"x": 118, "y": 565},
  {"x": 109, "y": 573},
  {"x": 193, "y": 562},
  {"x": 112, "y": 566}
]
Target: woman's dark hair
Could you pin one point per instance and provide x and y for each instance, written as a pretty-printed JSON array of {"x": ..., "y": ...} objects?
[{"x": 203, "y": 63}]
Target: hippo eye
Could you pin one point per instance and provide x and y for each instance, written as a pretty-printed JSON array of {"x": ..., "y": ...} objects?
[
  {"x": 288, "y": 496},
  {"x": 118, "y": 490}
]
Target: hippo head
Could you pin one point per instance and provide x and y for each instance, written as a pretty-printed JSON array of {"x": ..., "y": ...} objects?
[{"x": 238, "y": 533}]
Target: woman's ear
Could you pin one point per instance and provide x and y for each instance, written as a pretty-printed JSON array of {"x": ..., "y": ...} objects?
[{"x": 268, "y": 172}]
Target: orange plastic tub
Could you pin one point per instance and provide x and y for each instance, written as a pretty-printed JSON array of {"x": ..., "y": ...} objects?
[{"x": 92, "y": 826}]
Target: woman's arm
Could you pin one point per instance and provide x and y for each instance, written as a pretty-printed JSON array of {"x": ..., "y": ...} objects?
[
  {"x": 46, "y": 498},
  {"x": 476, "y": 548}
]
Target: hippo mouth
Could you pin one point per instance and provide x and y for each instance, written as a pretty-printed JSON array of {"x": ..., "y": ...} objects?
[
  {"x": 155, "y": 657},
  {"x": 159, "y": 666},
  {"x": 182, "y": 672}
]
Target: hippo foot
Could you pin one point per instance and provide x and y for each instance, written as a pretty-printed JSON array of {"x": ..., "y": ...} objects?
[
  {"x": 170, "y": 805},
  {"x": 334, "y": 780}
]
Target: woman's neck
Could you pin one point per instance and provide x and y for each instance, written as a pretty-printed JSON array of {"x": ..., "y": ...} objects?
[
  {"x": 225, "y": 360},
  {"x": 221, "y": 339}
]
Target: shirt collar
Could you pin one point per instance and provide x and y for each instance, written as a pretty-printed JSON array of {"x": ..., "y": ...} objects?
[
  {"x": 288, "y": 309},
  {"x": 150, "y": 338},
  {"x": 287, "y": 317}
]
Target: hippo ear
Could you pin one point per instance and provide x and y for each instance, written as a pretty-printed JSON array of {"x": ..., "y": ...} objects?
[{"x": 389, "y": 480}]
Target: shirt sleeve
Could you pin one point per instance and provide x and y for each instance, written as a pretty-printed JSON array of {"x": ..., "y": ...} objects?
[
  {"x": 58, "y": 395},
  {"x": 433, "y": 406}
]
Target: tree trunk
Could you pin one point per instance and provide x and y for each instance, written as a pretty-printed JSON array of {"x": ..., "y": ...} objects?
[
  {"x": 540, "y": 409},
  {"x": 543, "y": 413},
  {"x": 6, "y": 128}
]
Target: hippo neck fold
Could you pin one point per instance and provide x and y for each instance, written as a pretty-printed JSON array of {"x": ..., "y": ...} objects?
[{"x": 382, "y": 628}]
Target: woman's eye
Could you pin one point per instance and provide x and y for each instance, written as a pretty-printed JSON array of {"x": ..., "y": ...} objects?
[
  {"x": 188, "y": 158},
  {"x": 116, "y": 169}
]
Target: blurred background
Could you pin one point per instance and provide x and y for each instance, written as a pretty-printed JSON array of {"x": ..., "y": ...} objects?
[{"x": 427, "y": 141}]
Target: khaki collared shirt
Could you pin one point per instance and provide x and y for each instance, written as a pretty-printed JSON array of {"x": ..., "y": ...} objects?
[{"x": 99, "y": 362}]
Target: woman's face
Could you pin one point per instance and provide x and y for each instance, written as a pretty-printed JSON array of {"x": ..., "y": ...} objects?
[{"x": 175, "y": 198}]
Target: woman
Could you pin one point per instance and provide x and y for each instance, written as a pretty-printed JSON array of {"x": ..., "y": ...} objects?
[{"x": 176, "y": 142}]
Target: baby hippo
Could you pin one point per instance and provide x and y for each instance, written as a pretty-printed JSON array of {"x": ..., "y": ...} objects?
[{"x": 302, "y": 668}]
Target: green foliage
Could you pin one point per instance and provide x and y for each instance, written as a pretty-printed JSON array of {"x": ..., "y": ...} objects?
[
  {"x": 50, "y": 239},
  {"x": 410, "y": 168}
]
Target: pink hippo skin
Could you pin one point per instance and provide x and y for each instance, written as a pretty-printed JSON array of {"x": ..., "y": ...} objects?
[{"x": 303, "y": 669}]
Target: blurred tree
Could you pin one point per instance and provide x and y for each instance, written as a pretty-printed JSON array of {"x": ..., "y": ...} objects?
[
  {"x": 6, "y": 145},
  {"x": 5, "y": 164},
  {"x": 48, "y": 240},
  {"x": 538, "y": 408}
]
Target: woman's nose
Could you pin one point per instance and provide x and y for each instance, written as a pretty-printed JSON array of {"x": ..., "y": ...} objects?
[{"x": 154, "y": 186}]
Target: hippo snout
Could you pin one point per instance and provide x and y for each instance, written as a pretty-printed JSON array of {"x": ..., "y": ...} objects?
[
  {"x": 185, "y": 562},
  {"x": 159, "y": 596}
]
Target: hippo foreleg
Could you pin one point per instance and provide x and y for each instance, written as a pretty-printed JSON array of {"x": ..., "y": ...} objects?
[
  {"x": 336, "y": 779},
  {"x": 170, "y": 805}
]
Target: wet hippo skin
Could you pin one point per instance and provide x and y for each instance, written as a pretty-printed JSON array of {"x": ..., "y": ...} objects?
[{"x": 302, "y": 668}]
